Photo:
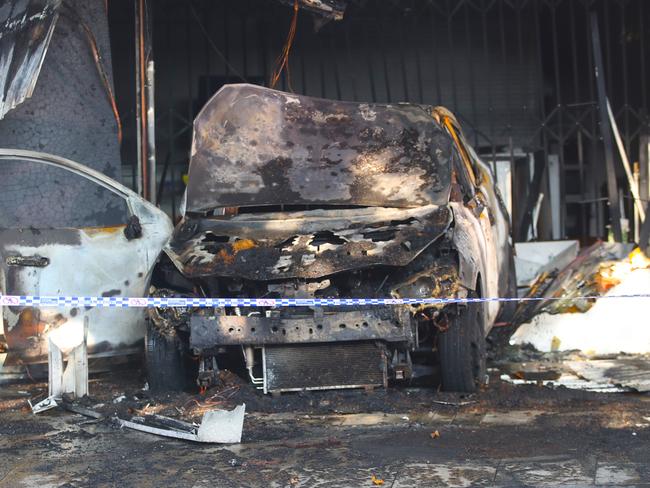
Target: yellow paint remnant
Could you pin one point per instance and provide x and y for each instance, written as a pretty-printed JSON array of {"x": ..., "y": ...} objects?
[
  {"x": 95, "y": 231},
  {"x": 555, "y": 343},
  {"x": 376, "y": 481},
  {"x": 611, "y": 273},
  {"x": 242, "y": 245},
  {"x": 235, "y": 247},
  {"x": 638, "y": 259}
]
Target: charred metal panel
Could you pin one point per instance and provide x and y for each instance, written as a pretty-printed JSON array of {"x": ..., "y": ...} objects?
[
  {"x": 324, "y": 366},
  {"x": 388, "y": 324},
  {"x": 255, "y": 146},
  {"x": 306, "y": 245},
  {"x": 25, "y": 31}
]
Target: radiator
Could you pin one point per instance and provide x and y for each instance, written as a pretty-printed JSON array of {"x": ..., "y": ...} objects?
[{"x": 324, "y": 366}]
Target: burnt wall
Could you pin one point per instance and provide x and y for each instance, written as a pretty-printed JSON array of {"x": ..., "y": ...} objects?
[{"x": 68, "y": 115}]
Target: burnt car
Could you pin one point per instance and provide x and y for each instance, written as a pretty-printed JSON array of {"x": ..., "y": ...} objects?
[
  {"x": 297, "y": 197},
  {"x": 69, "y": 230}
]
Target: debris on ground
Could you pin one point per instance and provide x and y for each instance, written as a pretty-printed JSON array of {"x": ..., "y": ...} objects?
[
  {"x": 573, "y": 320},
  {"x": 575, "y": 370},
  {"x": 119, "y": 399},
  {"x": 217, "y": 426},
  {"x": 435, "y": 434},
  {"x": 453, "y": 404},
  {"x": 566, "y": 380},
  {"x": 43, "y": 405},
  {"x": 71, "y": 405},
  {"x": 376, "y": 481},
  {"x": 624, "y": 372}
]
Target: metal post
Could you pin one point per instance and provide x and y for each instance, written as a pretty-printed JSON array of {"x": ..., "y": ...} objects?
[
  {"x": 644, "y": 167},
  {"x": 606, "y": 132},
  {"x": 144, "y": 100},
  {"x": 637, "y": 219}
]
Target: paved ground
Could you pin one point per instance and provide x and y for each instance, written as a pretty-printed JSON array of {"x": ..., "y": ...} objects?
[{"x": 506, "y": 436}]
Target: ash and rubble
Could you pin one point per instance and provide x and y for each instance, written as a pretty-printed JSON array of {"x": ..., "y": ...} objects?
[
  {"x": 582, "y": 311},
  {"x": 122, "y": 395},
  {"x": 342, "y": 432},
  {"x": 581, "y": 336}
]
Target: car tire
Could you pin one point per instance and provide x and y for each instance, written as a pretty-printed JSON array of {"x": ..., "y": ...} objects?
[
  {"x": 461, "y": 350},
  {"x": 167, "y": 359}
]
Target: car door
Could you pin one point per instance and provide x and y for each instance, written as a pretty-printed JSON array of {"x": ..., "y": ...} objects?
[{"x": 67, "y": 230}]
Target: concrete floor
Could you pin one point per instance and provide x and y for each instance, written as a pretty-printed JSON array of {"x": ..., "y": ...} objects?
[{"x": 507, "y": 436}]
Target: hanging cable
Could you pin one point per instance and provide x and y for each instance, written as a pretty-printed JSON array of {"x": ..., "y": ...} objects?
[{"x": 282, "y": 63}]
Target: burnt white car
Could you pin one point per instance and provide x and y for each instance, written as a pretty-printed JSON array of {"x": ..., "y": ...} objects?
[
  {"x": 51, "y": 245},
  {"x": 298, "y": 197}
]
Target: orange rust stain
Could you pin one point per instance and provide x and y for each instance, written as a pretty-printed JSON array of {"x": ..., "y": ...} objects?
[
  {"x": 28, "y": 333},
  {"x": 225, "y": 257}
]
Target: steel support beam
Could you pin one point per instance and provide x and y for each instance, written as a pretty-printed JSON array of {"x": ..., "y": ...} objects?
[
  {"x": 606, "y": 132},
  {"x": 145, "y": 115}
]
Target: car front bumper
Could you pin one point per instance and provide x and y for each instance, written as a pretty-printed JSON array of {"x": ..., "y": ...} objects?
[{"x": 390, "y": 324}]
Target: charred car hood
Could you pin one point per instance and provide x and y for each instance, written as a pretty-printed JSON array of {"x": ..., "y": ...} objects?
[
  {"x": 307, "y": 244},
  {"x": 255, "y": 146}
]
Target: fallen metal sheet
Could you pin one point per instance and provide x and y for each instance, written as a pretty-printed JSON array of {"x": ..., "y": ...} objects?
[
  {"x": 620, "y": 372},
  {"x": 534, "y": 258},
  {"x": 256, "y": 146},
  {"x": 567, "y": 380},
  {"x": 26, "y": 28},
  {"x": 44, "y": 405},
  {"x": 217, "y": 426},
  {"x": 525, "y": 366}
]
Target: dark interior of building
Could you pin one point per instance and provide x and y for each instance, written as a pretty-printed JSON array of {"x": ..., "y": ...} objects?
[{"x": 518, "y": 75}]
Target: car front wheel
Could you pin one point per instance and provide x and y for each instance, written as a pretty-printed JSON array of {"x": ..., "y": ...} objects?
[
  {"x": 461, "y": 349},
  {"x": 167, "y": 359}
]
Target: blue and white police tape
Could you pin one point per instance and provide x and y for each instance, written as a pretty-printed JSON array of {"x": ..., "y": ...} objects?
[{"x": 176, "y": 302}]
